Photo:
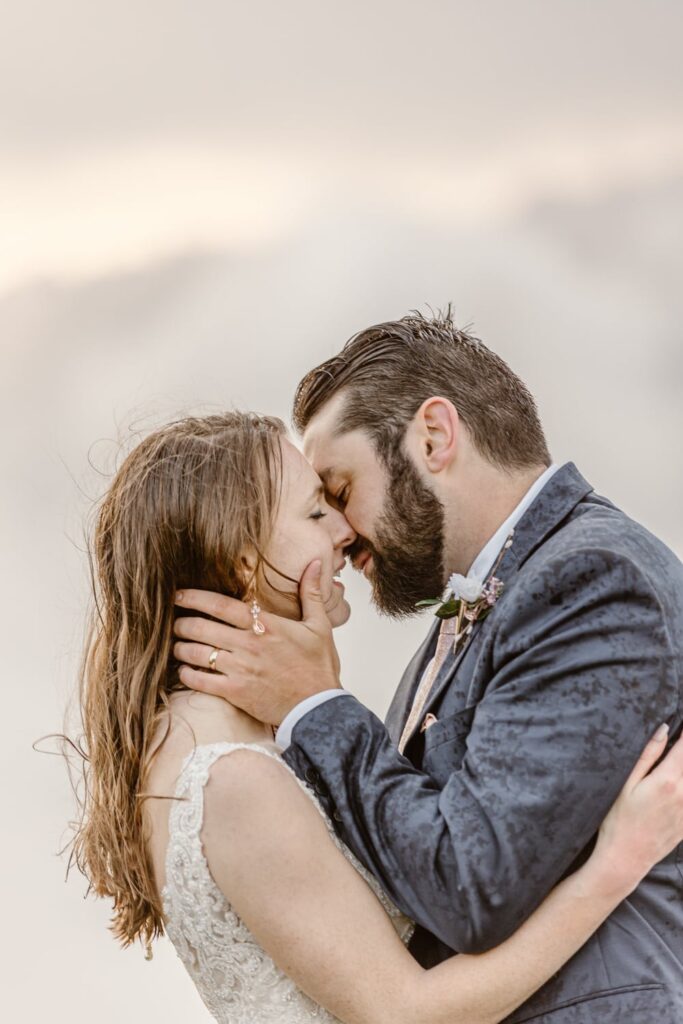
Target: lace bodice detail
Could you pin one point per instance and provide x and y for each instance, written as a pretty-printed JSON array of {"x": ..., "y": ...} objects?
[{"x": 237, "y": 980}]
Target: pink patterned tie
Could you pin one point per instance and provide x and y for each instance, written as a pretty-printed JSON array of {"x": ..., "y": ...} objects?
[{"x": 443, "y": 646}]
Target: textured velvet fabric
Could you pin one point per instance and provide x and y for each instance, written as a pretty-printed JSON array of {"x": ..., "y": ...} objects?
[{"x": 539, "y": 722}]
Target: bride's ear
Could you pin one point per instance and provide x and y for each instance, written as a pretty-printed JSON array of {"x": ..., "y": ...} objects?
[{"x": 437, "y": 430}]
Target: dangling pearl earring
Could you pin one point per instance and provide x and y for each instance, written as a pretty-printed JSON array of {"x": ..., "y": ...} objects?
[{"x": 257, "y": 625}]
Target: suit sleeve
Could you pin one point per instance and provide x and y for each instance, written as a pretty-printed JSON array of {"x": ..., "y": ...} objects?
[{"x": 583, "y": 675}]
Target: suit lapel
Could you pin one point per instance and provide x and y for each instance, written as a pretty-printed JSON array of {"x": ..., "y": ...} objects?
[
  {"x": 444, "y": 679},
  {"x": 555, "y": 502},
  {"x": 403, "y": 698}
]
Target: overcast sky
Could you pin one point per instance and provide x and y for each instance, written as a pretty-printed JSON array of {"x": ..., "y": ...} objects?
[
  {"x": 444, "y": 78},
  {"x": 199, "y": 201},
  {"x": 128, "y": 130}
]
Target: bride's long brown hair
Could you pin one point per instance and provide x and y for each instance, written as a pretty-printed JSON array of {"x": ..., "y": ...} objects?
[{"x": 185, "y": 506}]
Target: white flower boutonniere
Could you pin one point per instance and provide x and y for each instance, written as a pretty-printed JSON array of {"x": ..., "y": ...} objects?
[
  {"x": 465, "y": 588},
  {"x": 467, "y": 598}
]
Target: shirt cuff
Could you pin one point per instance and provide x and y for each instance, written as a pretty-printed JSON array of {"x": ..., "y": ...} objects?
[{"x": 283, "y": 736}]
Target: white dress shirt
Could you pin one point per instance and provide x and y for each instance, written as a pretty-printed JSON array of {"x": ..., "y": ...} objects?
[{"x": 479, "y": 569}]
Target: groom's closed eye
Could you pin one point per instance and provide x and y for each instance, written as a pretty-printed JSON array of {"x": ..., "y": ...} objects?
[
  {"x": 336, "y": 489},
  {"x": 331, "y": 498},
  {"x": 342, "y": 496},
  {"x": 338, "y": 496}
]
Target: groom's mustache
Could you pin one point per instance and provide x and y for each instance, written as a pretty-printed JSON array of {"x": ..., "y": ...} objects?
[{"x": 360, "y": 547}]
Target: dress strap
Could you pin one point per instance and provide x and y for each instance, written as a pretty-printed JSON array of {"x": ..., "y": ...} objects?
[
  {"x": 186, "y": 815},
  {"x": 194, "y": 773}
]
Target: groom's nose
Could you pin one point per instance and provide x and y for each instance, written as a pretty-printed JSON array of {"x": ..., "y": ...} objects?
[{"x": 343, "y": 533}]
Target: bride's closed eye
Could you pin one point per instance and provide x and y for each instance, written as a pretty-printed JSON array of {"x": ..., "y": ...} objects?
[{"x": 318, "y": 515}]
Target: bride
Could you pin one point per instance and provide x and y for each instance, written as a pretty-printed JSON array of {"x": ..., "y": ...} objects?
[{"x": 194, "y": 826}]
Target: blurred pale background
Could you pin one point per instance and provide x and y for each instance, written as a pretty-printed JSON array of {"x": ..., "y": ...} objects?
[{"x": 199, "y": 201}]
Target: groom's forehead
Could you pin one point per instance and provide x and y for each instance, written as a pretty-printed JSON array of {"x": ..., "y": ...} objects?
[
  {"x": 323, "y": 452},
  {"x": 321, "y": 437},
  {"x": 336, "y": 453}
]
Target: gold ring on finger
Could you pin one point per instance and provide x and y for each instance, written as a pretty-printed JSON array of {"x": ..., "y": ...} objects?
[{"x": 212, "y": 659}]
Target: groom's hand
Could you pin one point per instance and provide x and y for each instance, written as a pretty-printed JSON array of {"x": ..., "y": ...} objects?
[{"x": 264, "y": 675}]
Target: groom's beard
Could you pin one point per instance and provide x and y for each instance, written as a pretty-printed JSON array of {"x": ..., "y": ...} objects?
[{"x": 408, "y": 554}]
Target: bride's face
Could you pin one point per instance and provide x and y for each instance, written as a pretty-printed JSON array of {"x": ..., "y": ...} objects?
[{"x": 306, "y": 529}]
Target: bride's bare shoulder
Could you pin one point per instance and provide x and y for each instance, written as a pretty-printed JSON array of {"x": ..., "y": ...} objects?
[
  {"x": 256, "y": 810},
  {"x": 191, "y": 720}
]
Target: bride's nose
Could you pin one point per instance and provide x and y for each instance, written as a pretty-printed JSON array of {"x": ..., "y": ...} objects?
[{"x": 342, "y": 532}]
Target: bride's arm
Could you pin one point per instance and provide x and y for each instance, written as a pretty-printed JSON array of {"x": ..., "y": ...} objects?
[{"x": 269, "y": 852}]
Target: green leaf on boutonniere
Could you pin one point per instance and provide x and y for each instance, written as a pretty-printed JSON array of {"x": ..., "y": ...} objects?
[
  {"x": 429, "y": 603},
  {"x": 448, "y": 610}
]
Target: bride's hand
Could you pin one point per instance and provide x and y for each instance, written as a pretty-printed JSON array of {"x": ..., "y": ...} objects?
[
  {"x": 267, "y": 675},
  {"x": 646, "y": 821}
]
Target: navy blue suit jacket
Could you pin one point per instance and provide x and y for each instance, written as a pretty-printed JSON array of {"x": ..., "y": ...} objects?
[{"x": 540, "y": 720}]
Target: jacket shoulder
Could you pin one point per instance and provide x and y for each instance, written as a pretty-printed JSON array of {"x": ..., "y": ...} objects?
[{"x": 597, "y": 528}]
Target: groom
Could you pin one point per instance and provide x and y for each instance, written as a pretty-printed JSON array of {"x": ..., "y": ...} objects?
[{"x": 524, "y": 710}]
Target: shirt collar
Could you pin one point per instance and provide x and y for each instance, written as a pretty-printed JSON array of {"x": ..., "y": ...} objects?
[{"x": 486, "y": 558}]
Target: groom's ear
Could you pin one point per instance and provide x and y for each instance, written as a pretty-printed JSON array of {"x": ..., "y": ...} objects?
[{"x": 437, "y": 430}]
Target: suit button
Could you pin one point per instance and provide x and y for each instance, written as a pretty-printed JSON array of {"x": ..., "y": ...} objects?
[
  {"x": 311, "y": 775},
  {"x": 336, "y": 815}
]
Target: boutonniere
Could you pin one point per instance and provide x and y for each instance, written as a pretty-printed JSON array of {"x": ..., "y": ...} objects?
[{"x": 468, "y": 599}]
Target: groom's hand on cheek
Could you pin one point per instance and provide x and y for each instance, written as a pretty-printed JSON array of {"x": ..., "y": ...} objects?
[{"x": 265, "y": 675}]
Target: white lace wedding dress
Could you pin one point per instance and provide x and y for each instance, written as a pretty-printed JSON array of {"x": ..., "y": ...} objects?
[{"x": 237, "y": 980}]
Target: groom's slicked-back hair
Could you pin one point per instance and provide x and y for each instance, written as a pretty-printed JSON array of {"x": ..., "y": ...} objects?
[{"x": 387, "y": 371}]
